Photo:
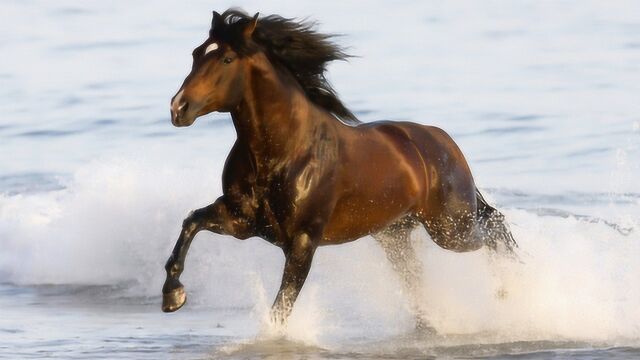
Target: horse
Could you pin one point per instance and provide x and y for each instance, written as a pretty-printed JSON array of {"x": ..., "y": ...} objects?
[{"x": 304, "y": 172}]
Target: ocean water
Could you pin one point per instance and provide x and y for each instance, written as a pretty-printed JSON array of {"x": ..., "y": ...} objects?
[{"x": 542, "y": 97}]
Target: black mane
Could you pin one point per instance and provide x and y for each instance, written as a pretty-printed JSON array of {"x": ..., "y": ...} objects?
[{"x": 296, "y": 46}]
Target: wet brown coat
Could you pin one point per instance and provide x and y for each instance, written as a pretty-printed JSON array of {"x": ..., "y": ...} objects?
[{"x": 300, "y": 178}]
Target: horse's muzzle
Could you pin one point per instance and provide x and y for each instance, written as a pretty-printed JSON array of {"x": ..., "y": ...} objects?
[
  {"x": 179, "y": 110},
  {"x": 178, "y": 114}
]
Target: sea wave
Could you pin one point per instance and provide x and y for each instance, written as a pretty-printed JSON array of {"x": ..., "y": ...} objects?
[{"x": 114, "y": 222}]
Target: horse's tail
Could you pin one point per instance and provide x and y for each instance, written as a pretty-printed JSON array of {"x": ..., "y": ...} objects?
[{"x": 495, "y": 230}]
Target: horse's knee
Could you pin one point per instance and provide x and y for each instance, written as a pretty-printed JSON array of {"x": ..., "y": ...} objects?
[
  {"x": 196, "y": 219},
  {"x": 190, "y": 222},
  {"x": 219, "y": 219}
]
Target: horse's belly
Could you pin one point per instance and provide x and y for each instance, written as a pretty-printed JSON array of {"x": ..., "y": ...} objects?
[{"x": 354, "y": 218}]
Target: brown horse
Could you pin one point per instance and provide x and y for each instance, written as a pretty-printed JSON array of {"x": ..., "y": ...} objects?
[{"x": 304, "y": 172}]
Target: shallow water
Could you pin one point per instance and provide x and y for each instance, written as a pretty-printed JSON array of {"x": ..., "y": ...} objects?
[{"x": 94, "y": 183}]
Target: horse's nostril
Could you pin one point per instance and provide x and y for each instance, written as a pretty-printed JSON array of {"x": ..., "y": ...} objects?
[
  {"x": 178, "y": 106},
  {"x": 182, "y": 108}
]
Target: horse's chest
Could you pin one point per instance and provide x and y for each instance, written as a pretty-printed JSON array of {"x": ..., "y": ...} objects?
[
  {"x": 276, "y": 195},
  {"x": 279, "y": 203}
]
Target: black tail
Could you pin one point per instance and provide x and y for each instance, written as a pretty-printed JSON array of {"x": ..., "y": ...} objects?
[{"x": 495, "y": 229}]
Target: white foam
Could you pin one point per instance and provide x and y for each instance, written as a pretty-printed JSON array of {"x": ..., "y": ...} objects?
[{"x": 117, "y": 221}]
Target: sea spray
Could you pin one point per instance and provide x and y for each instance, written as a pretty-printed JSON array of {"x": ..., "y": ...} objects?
[{"x": 116, "y": 221}]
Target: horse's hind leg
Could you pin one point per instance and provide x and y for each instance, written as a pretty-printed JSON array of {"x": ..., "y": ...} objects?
[
  {"x": 459, "y": 235},
  {"x": 463, "y": 226},
  {"x": 397, "y": 246},
  {"x": 452, "y": 222},
  {"x": 494, "y": 228}
]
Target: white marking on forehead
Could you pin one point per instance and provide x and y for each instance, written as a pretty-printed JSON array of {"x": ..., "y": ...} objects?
[{"x": 210, "y": 48}]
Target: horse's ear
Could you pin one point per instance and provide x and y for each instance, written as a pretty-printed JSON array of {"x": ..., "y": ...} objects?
[
  {"x": 251, "y": 26},
  {"x": 217, "y": 20}
]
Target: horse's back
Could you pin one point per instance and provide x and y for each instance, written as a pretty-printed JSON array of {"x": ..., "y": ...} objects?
[{"x": 432, "y": 150}]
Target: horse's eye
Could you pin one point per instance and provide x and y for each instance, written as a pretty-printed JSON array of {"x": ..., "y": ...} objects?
[{"x": 227, "y": 60}]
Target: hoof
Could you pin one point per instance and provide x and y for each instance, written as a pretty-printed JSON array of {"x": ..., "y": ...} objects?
[{"x": 174, "y": 299}]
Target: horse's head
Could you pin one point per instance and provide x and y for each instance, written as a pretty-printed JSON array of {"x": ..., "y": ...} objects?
[{"x": 216, "y": 80}]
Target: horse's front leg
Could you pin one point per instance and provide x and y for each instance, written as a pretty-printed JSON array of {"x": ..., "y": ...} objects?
[
  {"x": 299, "y": 255},
  {"x": 216, "y": 218}
]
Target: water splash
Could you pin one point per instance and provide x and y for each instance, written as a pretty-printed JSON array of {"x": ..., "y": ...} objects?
[{"x": 115, "y": 222}]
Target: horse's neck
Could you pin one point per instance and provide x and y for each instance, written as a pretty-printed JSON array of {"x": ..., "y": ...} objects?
[{"x": 274, "y": 114}]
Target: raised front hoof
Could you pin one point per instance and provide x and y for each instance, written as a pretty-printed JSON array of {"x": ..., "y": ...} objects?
[{"x": 174, "y": 299}]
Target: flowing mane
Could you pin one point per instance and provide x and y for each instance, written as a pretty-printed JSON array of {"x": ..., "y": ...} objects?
[{"x": 294, "y": 45}]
